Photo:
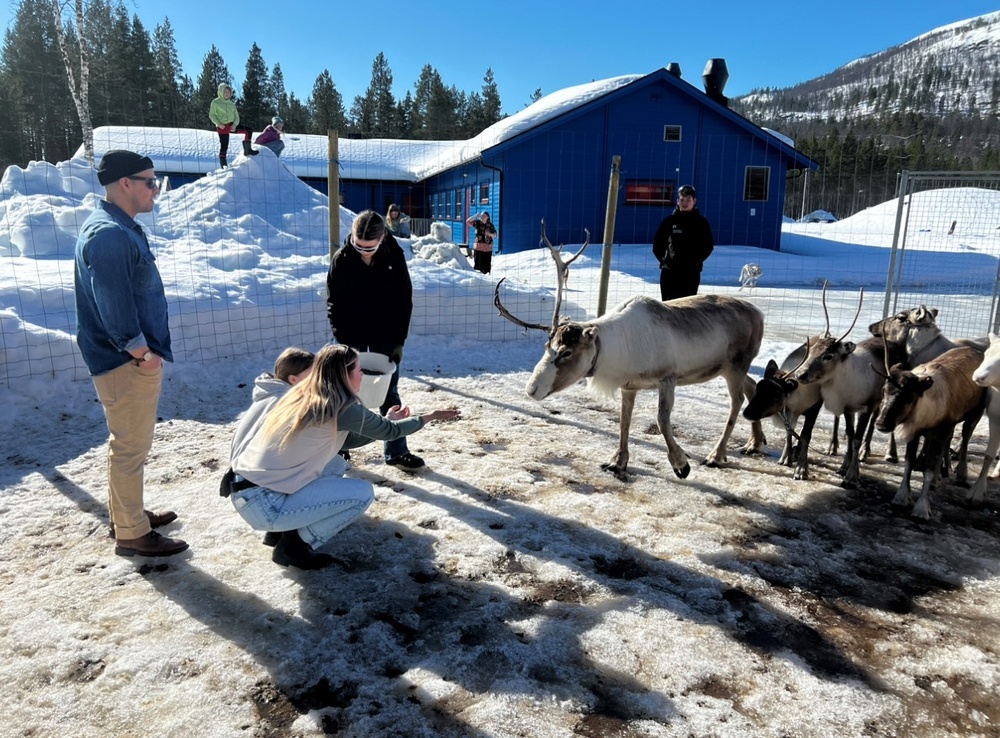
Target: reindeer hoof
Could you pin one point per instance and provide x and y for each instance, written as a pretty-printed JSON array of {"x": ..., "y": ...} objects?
[
  {"x": 683, "y": 471},
  {"x": 619, "y": 472},
  {"x": 801, "y": 475}
]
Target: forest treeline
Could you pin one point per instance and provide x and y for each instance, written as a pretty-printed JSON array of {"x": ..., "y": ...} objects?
[{"x": 136, "y": 78}]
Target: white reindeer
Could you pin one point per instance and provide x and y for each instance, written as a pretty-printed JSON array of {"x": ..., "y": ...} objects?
[{"x": 644, "y": 343}]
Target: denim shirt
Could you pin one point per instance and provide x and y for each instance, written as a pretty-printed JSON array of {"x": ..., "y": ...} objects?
[{"x": 120, "y": 303}]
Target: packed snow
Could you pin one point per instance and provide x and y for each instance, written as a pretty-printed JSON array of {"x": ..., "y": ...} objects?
[{"x": 510, "y": 589}]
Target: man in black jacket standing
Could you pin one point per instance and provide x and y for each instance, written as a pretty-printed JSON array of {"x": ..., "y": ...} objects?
[
  {"x": 369, "y": 303},
  {"x": 682, "y": 244}
]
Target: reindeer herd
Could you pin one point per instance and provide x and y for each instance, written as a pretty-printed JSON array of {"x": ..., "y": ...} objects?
[{"x": 907, "y": 380}]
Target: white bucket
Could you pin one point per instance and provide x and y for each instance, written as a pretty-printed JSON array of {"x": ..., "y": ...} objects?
[{"x": 377, "y": 371}]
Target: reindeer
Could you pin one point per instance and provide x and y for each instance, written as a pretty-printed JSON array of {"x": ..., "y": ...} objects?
[
  {"x": 780, "y": 394},
  {"x": 848, "y": 383},
  {"x": 644, "y": 343},
  {"x": 928, "y": 402},
  {"x": 915, "y": 336}
]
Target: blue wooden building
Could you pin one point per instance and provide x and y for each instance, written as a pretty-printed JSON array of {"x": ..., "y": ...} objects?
[
  {"x": 667, "y": 133},
  {"x": 551, "y": 160}
]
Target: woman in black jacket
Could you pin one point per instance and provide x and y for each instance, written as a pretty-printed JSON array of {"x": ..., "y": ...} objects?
[{"x": 369, "y": 303}]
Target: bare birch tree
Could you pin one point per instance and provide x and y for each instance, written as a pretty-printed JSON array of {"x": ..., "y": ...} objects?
[{"x": 79, "y": 88}]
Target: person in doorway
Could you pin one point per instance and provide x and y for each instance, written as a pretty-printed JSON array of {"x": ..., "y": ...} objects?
[
  {"x": 681, "y": 245},
  {"x": 226, "y": 119},
  {"x": 123, "y": 334},
  {"x": 482, "y": 248},
  {"x": 397, "y": 223},
  {"x": 279, "y": 479},
  {"x": 369, "y": 303},
  {"x": 271, "y": 136}
]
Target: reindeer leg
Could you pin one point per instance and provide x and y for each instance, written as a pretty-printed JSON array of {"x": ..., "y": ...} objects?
[
  {"x": 717, "y": 455},
  {"x": 891, "y": 454},
  {"x": 810, "y": 415},
  {"x": 619, "y": 464},
  {"x": 978, "y": 492},
  {"x": 852, "y": 476},
  {"x": 834, "y": 446},
  {"x": 678, "y": 459},
  {"x": 962, "y": 467},
  {"x": 866, "y": 449},
  {"x": 845, "y": 465},
  {"x": 757, "y": 440},
  {"x": 909, "y": 461},
  {"x": 935, "y": 443},
  {"x": 789, "y": 451}
]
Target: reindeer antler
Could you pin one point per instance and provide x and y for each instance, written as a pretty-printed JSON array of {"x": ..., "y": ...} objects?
[
  {"x": 826, "y": 313},
  {"x": 509, "y": 316},
  {"x": 562, "y": 268},
  {"x": 861, "y": 298}
]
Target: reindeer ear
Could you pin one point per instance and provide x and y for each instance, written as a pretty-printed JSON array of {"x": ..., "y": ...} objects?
[
  {"x": 925, "y": 383},
  {"x": 849, "y": 347},
  {"x": 770, "y": 369},
  {"x": 590, "y": 332}
]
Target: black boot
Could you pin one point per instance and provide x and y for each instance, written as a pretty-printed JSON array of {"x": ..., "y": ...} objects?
[
  {"x": 222, "y": 161},
  {"x": 291, "y": 550},
  {"x": 247, "y": 151}
]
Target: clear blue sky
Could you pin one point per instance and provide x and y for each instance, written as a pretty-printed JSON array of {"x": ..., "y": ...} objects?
[{"x": 542, "y": 44}]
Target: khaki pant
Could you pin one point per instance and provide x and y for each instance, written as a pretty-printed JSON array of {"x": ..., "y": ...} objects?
[{"x": 129, "y": 395}]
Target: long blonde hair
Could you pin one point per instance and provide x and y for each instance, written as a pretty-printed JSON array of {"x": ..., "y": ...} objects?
[{"x": 317, "y": 399}]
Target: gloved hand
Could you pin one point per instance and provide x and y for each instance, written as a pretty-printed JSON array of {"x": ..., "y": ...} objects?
[{"x": 397, "y": 355}]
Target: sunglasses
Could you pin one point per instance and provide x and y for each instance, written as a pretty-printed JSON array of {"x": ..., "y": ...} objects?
[
  {"x": 152, "y": 183},
  {"x": 366, "y": 249}
]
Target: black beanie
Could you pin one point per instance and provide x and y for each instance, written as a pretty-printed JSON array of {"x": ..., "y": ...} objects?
[{"x": 121, "y": 163}]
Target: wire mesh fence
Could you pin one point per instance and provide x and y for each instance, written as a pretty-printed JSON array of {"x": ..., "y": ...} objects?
[{"x": 244, "y": 253}]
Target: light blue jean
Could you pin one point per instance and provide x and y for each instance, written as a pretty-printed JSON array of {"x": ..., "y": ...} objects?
[{"x": 318, "y": 511}]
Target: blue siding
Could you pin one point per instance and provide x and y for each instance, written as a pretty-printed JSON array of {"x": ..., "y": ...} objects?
[{"x": 560, "y": 170}]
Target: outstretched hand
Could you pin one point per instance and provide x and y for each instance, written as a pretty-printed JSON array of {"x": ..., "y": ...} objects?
[
  {"x": 451, "y": 414},
  {"x": 398, "y": 412}
]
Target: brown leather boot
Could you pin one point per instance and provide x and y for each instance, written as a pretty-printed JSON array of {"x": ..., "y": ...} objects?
[
  {"x": 151, "y": 544},
  {"x": 156, "y": 520}
]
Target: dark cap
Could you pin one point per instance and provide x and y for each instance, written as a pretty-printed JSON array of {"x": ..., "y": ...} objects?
[
  {"x": 686, "y": 190},
  {"x": 121, "y": 163}
]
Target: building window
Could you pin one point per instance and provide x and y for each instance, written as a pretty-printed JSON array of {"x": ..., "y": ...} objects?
[
  {"x": 755, "y": 184},
  {"x": 671, "y": 133},
  {"x": 484, "y": 193},
  {"x": 649, "y": 193},
  {"x": 458, "y": 205},
  {"x": 435, "y": 212},
  {"x": 447, "y": 205}
]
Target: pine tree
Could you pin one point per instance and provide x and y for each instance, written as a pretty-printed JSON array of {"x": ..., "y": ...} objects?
[
  {"x": 47, "y": 125},
  {"x": 374, "y": 113},
  {"x": 170, "y": 99},
  {"x": 255, "y": 106},
  {"x": 277, "y": 98},
  {"x": 295, "y": 114},
  {"x": 326, "y": 106}
]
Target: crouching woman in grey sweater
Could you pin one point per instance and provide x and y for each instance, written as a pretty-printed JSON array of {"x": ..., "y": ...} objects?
[{"x": 279, "y": 483}]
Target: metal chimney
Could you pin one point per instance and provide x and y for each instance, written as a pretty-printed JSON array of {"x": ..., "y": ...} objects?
[
  {"x": 715, "y": 76},
  {"x": 675, "y": 69}
]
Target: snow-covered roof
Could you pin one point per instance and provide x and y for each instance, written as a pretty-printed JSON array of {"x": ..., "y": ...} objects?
[{"x": 195, "y": 152}]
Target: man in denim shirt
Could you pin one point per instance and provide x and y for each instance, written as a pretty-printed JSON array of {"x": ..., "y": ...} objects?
[{"x": 122, "y": 332}]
